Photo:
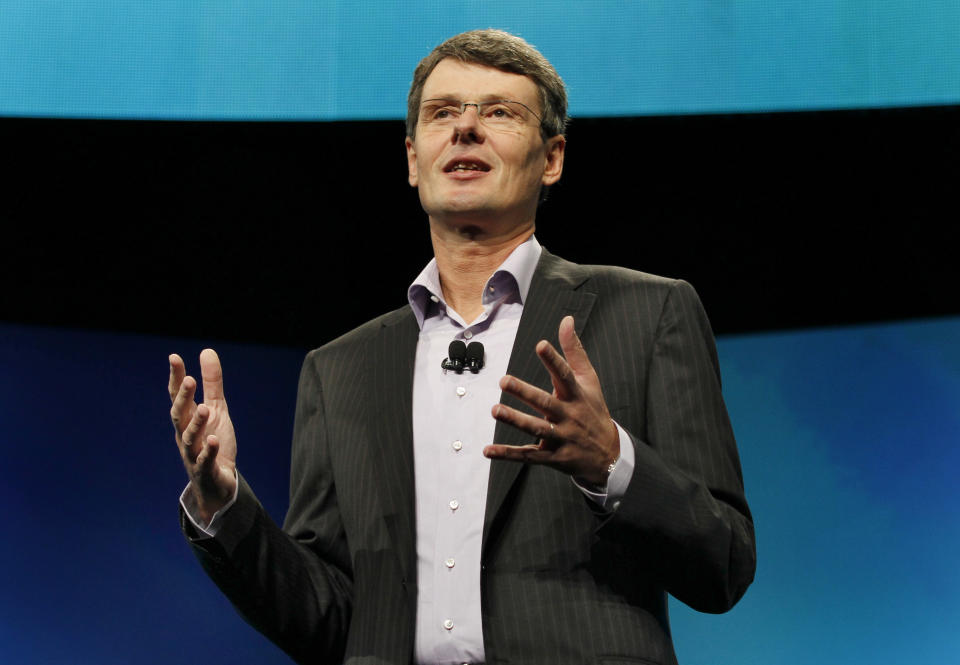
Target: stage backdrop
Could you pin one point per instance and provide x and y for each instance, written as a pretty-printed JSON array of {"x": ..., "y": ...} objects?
[{"x": 847, "y": 435}]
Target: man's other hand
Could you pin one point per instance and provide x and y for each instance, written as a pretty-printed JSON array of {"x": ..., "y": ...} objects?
[
  {"x": 576, "y": 433},
  {"x": 204, "y": 433}
]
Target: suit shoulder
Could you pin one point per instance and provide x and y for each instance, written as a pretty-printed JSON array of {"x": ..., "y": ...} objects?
[
  {"x": 660, "y": 291},
  {"x": 553, "y": 267},
  {"x": 354, "y": 340},
  {"x": 611, "y": 280},
  {"x": 617, "y": 275}
]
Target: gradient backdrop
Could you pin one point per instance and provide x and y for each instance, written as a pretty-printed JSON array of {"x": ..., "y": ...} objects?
[{"x": 848, "y": 433}]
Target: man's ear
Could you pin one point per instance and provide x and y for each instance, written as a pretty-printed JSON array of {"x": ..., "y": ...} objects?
[
  {"x": 554, "y": 159},
  {"x": 411, "y": 162}
]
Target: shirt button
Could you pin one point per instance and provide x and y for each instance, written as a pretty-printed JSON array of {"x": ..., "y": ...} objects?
[
  {"x": 492, "y": 289},
  {"x": 448, "y": 624},
  {"x": 461, "y": 391},
  {"x": 434, "y": 299},
  {"x": 467, "y": 334},
  {"x": 454, "y": 504},
  {"x": 450, "y": 562},
  {"x": 457, "y": 445}
]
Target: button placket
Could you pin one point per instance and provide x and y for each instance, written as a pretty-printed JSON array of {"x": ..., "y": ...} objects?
[{"x": 461, "y": 410}]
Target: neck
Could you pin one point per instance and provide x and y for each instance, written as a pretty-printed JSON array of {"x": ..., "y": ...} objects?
[{"x": 466, "y": 258}]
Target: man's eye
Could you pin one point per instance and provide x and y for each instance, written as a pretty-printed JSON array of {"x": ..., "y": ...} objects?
[
  {"x": 499, "y": 112},
  {"x": 443, "y": 113}
]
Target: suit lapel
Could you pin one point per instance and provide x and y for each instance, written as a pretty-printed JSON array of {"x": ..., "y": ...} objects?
[
  {"x": 393, "y": 367},
  {"x": 557, "y": 289}
]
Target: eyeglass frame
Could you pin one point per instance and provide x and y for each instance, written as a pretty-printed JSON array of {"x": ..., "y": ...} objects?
[{"x": 478, "y": 105}]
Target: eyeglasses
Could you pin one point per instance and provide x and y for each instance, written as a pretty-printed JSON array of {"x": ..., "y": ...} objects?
[{"x": 497, "y": 114}]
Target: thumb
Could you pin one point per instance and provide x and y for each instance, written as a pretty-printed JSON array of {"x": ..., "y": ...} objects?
[{"x": 207, "y": 459}]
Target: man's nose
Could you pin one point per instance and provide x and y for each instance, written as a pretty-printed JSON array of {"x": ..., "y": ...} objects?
[{"x": 468, "y": 126}]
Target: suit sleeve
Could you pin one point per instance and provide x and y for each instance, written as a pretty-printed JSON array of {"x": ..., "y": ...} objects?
[
  {"x": 293, "y": 585},
  {"x": 684, "y": 512}
]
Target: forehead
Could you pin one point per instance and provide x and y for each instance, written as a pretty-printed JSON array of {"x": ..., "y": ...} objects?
[{"x": 453, "y": 79}]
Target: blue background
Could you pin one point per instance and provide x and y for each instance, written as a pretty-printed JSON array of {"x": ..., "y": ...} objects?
[
  {"x": 848, "y": 439},
  {"x": 308, "y": 60}
]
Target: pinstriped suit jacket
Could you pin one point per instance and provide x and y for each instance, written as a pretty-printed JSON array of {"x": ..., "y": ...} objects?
[{"x": 561, "y": 583}]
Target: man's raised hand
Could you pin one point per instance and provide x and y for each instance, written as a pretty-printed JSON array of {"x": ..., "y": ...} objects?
[
  {"x": 204, "y": 433},
  {"x": 576, "y": 433}
]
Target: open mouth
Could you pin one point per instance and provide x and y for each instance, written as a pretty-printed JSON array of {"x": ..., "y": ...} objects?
[{"x": 462, "y": 165}]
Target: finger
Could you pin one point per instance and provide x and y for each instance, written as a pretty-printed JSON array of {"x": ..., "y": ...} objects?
[
  {"x": 177, "y": 371},
  {"x": 182, "y": 410},
  {"x": 528, "y": 454},
  {"x": 564, "y": 380},
  {"x": 530, "y": 395},
  {"x": 572, "y": 347},
  {"x": 538, "y": 427},
  {"x": 212, "y": 376},
  {"x": 193, "y": 435},
  {"x": 207, "y": 459}
]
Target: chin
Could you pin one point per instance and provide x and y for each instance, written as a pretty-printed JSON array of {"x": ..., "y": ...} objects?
[{"x": 465, "y": 204}]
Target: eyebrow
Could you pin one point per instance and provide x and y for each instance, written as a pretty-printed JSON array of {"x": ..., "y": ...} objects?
[{"x": 483, "y": 98}]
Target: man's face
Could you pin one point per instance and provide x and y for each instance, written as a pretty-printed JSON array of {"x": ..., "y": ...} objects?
[{"x": 468, "y": 170}]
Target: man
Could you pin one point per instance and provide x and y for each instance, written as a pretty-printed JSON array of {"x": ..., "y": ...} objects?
[{"x": 433, "y": 519}]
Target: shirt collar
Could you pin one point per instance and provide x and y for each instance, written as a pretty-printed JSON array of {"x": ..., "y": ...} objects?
[{"x": 513, "y": 276}]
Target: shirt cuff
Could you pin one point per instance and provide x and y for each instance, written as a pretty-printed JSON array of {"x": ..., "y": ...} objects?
[
  {"x": 618, "y": 481},
  {"x": 189, "y": 504}
]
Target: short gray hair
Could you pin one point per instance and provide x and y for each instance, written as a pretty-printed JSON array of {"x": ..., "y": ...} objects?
[{"x": 503, "y": 51}]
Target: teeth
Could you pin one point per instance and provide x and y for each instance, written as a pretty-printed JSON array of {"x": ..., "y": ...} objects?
[{"x": 463, "y": 166}]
